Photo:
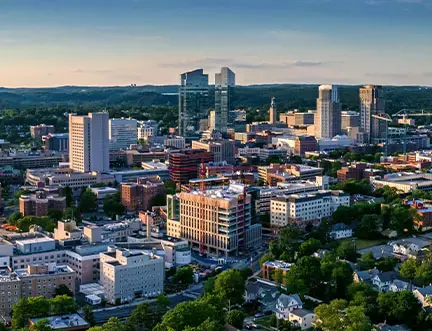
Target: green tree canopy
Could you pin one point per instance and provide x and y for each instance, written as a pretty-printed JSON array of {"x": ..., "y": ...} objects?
[
  {"x": 235, "y": 318},
  {"x": 230, "y": 286},
  {"x": 87, "y": 201},
  {"x": 112, "y": 205}
]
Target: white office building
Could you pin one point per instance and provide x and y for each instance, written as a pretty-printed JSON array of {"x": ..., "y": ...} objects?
[
  {"x": 307, "y": 207},
  {"x": 126, "y": 275},
  {"x": 147, "y": 129},
  {"x": 89, "y": 142},
  {"x": 122, "y": 133}
]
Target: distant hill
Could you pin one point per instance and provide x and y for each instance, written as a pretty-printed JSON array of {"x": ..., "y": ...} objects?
[{"x": 288, "y": 96}]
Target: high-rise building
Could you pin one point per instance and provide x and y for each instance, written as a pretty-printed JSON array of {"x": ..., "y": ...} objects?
[
  {"x": 193, "y": 101},
  {"x": 122, "y": 133},
  {"x": 349, "y": 119},
  {"x": 273, "y": 111},
  {"x": 224, "y": 84},
  {"x": 215, "y": 221},
  {"x": 147, "y": 129},
  {"x": 222, "y": 149},
  {"x": 89, "y": 142},
  {"x": 327, "y": 119},
  {"x": 372, "y": 103}
]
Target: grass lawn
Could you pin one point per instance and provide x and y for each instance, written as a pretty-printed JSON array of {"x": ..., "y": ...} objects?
[{"x": 265, "y": 321}]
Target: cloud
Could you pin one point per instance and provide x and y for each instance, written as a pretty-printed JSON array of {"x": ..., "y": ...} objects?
[
  {"x": 91, "y": 71},
  {"x": 216, "y": 62},
  {"x": 401, "y": 75}
]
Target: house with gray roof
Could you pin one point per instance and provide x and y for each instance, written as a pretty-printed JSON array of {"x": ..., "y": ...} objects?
[
  {"x": 424, "y": 295},
  {"x": 286, "y": 304},
  {"x": 302, "y": 318}
]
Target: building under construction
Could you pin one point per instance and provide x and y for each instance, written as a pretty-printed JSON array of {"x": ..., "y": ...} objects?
[{"x": 215, "y": 222}]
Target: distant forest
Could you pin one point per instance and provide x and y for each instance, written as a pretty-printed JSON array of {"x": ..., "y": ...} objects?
[{"x": 49, "y": 105}]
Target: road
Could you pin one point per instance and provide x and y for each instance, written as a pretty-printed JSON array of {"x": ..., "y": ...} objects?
[{"x": 124, "y": 311}]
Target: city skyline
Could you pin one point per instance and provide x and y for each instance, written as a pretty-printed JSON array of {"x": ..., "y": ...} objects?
[{"x": 100, "y": 43}]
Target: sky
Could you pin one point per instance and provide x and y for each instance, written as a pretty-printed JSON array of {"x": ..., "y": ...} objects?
[{"x": 120, "y": 42}]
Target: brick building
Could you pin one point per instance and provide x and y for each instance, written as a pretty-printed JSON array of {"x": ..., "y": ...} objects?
[
  {"x": 184, "y": 165},
  {"x": 305, "y": 144},
  {"x": 137, "y": 196},
  {"x": 39, "y": 203},
  {"x": 355, "y": 171}
]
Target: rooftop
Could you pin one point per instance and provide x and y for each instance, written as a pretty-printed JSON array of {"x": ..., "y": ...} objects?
[{"x": 60, "y": 322}]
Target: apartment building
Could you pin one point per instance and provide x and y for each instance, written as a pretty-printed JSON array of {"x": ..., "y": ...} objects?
[
  {"x": 147, "y": 129},
  {"x": 217, "y": 221},
  {"x": 309, "y": 207},
  {"x": 34, "y": 280},
  {"x": 137, "y": 196},
  {"x": 39, "y": 203},
  {"x": 126, "y": 275},
  {"x": 37, "y": 131}
]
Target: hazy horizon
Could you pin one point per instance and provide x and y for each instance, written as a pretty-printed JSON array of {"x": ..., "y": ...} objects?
[{"x": 101, "y": 43}]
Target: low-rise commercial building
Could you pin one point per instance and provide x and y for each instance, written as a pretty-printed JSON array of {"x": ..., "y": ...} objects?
[
  {"x": 37, "y": 131},
  {"x": 126, "y": 275},
  {"x": 404, "y": 182},
  {"x": 184, "y": 165}
]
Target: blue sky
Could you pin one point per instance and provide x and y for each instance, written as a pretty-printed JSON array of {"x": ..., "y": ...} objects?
[{"x": 118, "y": 42}]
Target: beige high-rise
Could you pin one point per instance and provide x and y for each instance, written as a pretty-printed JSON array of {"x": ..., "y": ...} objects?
[
  {"x": 372, "y": 103},
  {"x": 327, "y": 119},
  {"x": 89, "y": 142}
]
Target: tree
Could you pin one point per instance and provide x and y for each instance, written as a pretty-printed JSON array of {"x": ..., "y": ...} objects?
[
  {"x": 346, "y": 250},
  {"x": 309, "y": 246},
  {"x": 277, "y": 276},
  {"x": 63, "y": 304},
  {"x": 246, "y": 273},
  {"x": 158, "y": 200},
  {"x": 140, "y": 319},
  {"x": 230, "y": 286},
  {"x": 285, "y": 325},
  {"x": 88, "y": 201},
  {"x": 3, "y": 327},
  {"x": 369, "y": 227},
  {"x": 112, "y": 205},
  {"x": 387, "y": 264},
  {"x": 340, "y": 279},
  {"x": 113, "y": 324},
  {"x": 184, "y": 275},
  {"x": 170, "y": 187},
  {"x": 88, "y": 315},
  {"x": 336, "y": 316},
  {"x": 209, "y": 285},
  {"x": 304, "y": 277},
  {"x": 408, "y": 269},
  {"x": 423, "y": 275},
  {"x": 27, "y": 308},
  {"x": 63, "y": 290},
  {"x": 67, "y": 192},
  {"x": 343, "y": 214},
  {"x": 366, "y": 261},
  {"x": 15, "y": 217},
  {"x": 401, "y": 219},
  {"x": 235, "y": 318},
  {"x": 41, "y": 325},
  {"x": 399, "y": 307},
  {"x": 266, "y": 257},
  {"x": 189, "y": 314},
  {"x": 55, "y": 214},
  {"x": 72, "y": 213}
]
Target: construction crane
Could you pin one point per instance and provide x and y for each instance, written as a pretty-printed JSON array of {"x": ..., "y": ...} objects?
[{"x": 386, "y": 118}]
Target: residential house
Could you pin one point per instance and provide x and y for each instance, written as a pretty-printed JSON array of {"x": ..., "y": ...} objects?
[
  {"x": 286, "y": 304},
  {"x": 424, "y": 295},
  {"x": 399, "y": 285},
  {"x": 365, "y": 276},
  {"x": 340, "y": 231},
  {"x": 382, "y": 281},
  {"x": 302, "y": 318},
  {"x": 270, "y": 267}
]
